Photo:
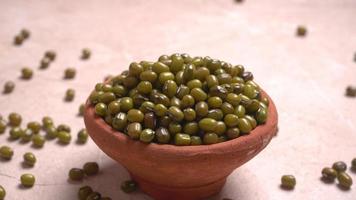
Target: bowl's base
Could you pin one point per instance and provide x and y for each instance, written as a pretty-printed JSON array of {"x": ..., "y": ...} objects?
[{"x": 159, "y": 192}]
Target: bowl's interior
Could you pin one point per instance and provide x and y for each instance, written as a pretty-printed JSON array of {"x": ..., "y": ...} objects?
[{"x": 262, "y": 133}]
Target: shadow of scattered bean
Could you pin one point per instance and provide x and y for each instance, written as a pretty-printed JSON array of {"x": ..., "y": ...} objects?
[
  {"x": 21, "y": 187},
  {"x": 26, "y": 166},
  {"x": 36, "y": 147},
  {"x": 4, "y": 160},
  {"x": 286, "y": 188},
  {"x": 62, "y": 144},
  {"x": 353, "y": 169},
  {"x": 326, "y": 181},
  {"x": 79, "y": 182},
  {"x": 342, "y": 188}
]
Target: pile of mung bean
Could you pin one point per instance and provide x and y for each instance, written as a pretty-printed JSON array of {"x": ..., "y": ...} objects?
[
  {"x": 338, "y": 171},
  {"x": 181, "y": 100}
]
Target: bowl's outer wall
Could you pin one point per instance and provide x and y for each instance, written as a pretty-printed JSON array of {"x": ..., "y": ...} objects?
[{"x": 177, "y": 166}]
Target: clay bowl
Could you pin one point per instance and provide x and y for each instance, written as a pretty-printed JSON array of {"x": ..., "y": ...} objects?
[{"x": 168, "y": 172}]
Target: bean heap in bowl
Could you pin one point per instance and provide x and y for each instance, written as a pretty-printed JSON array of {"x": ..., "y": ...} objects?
[{"x": 181, "y": 100}]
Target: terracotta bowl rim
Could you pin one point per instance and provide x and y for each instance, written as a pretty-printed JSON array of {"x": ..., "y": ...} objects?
[{"x": 253, "y": 139}]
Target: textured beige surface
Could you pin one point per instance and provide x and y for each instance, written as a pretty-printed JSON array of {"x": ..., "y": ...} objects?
[{"x": 306, "y": 77}]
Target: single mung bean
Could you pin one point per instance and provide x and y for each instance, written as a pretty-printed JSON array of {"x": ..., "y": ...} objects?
[
  {"x": 207, "y": 124},
  {"x": 50, "y": 54},
  {"x": 86, "y": 53},
  {"x": 26, "y": 136},
  {"x": 69, "y": 73},
  {"x": 215, "y": 102},
  {"x": 162, "y": 135},
  {"x": 174, "y": 127},
  {"x": 261, "y": 115},
  {"x": 6, "y": 152},
  {"x": 28, "y": 180},
  {"x": 70, "y": 93},
  {"x": 9, "y": 87},
  {"x": 120, "y": 121},
  {"x": 15, "y": 133},
  {"x": 91, "y": 168},
  {"x": 47, "y": 122},
  {"x": 130, "y": 82},
  {"x": 177, "y": 63},
  {"x": 344, "y": 179},
  {"x": 231, "y": 120},
  {"x": 350, "y": 91},
  {"x": 216, "y": 114},
  {"x": 63, "y": 127},
  {"x": 198, "y": 94},
  {"x": 106, "y": 87},
  {"x": 188, "y": 73},
  {"x": 34, "y": 126},
  {"x": 14, "y": 119},
  {"x": 164, "y": 121},
  {"x": 147, "y": 135},
  {"x": 339, "y": 166},
  {"x": 51, "y": 132},
  {"x": 25, "y": 33},
  {"x": 119, "y": 90},
  {"x": 187, "y": 101},
  {"x": 201, "y": 109},
  {"x": 252, "y": 121},
  {"x": 29, "y": 159},
  {"x": 227, "y": 108},
  {"x": 353, "y": 164},
  {"x": 201, "y": 73},
  {"x": 84, "y": 192},
  {"x": 134, "y": 130},
  {"x": 170, "y": 88},
  {"x": 135, "y": 115},
  {"x": 44, "y": 63},
  {"x": 126, "y": 104},
  {"x": 181, "y": 139},
  {"x": 18, "y": 39},
  {"x": 38, "y": 140},
  {"x": 144, "y": 87},
  {"x": 82, "y": 136},
  {"x": 64, "y": 137},
  {"x": 288, "y": 181},
  {"x": 101, "y": 109},
  {"x": 2, "y": 126},
  {"x": 191, "y": 128},
  {"x": 107, "y": 97},
  {"x": 301, "y": 31},
  {"x": 244, "y": 125},
  {"x": 76, "y": 174},
  {"x": 26, "y": 73},
  {"x": 220, "y": 128},
  {"x": 233, "y": 133},
  {"x": 175, "y": 113},
  {"x": 189, "y": 114},
  {"x": 159, "y": 67},
  {"x": 129, "y": 186},
  {"x": 149, "y": 75},
  {"x": 195, "y": 140},
  {"x": 329, "y": 174},
  {"x": 210, "y": 138},
  {"x": 149, "y": 120},
  {"x": 2, "y": 193},
  {"x": 81, "y": 109}
]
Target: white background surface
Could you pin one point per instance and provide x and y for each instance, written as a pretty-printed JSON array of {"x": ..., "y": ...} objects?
[{"x": 306, "y": 77}]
